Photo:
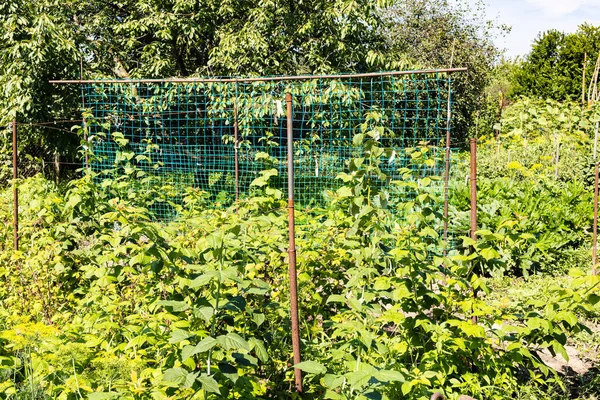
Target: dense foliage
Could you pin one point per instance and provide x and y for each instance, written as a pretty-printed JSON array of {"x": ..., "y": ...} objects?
[
  {"x": 446, "y": 34},
  {"x": 554, "y": 67},
  {"x": 101, "y": 302},
  {"x": 535, "y": 186},
  {"x": 50, "y": 39}
]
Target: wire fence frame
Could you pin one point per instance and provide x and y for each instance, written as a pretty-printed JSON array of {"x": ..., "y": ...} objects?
[
  {"x": 234, "y": 106},
  {"x": 261, "y": 79},
  {"x": 56, "y": 125},
  {"x": 290, "y": 176}
]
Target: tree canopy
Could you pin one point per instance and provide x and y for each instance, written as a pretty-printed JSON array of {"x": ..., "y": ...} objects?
[
  {"x": 52, "y": 39},
  {"x": 442, "y": 33},
  {"x": 554, "y": 67}
]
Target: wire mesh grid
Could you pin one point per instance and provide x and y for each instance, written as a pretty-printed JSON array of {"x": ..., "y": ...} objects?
[
  {"x": 32, "y": 160},
  {"x": 185, "y": 134}
]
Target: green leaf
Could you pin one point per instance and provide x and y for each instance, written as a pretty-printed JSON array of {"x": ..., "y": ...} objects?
[
  {"x": 137, "y": 341},
  {"x": 568, "y": 316},
  {"x": 179, "y": 335},
  {"x": 245, "y": 360},
  {"x": 203, "y": 346},
  {"x": 175, "y": 376},
  {"x": 229, "y": 371},
  {"x": 382, "y": 283},
  {"x": 103, "y": 395},
  {"x": 467, "y": 241},
  {"x": 593, "y": 299},
  {"x": 358, "y": 139},
  {"x": 336, "y": 298},
  {"x": 233, "y": 341},
  {"x": 175, "y": 306},
  {"x": 344, "y": 191},
  {"x": 73, "y": 201},
  {"x": 331, "y": 395},
  {"x": 119, "y": 138},
  {"x": 332, "y": 381},
  {"x": 560, "y": 349},
  {"x": 140, "y": 259},
  {"x": 311, "y": 367},
  {"x": 360, "y": 378},
  {"x": 190, "y": 378},
  {"x": 388, "y": 375},
  {"x": 187, "y": 352},
  {"x": 355, "y": 304},
  {"x": 258, "y": 319},
  {"x": 259, "y": 349},
  {"x": 206, "y": 313},
  {"x": 209, "y": 384},
  {"x": 264, "y": 177},
  {"x": 203, "y": 280},
  {"x": 489, "y": 253}
]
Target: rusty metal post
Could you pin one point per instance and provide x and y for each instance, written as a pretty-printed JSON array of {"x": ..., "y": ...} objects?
[
  {"x": 596, "y": 140},
  {"x": 595, "y": 228},
  {"x": 447, "y": 171},
  {"x": 87, "y": 148},
  {"x": 15, "y": 188},
  {"x": 292, "y": 248},
  {"x": 236, "y": 142},
  {"x": 85, "y": 136},
  {"x": 473, "y": 179}
]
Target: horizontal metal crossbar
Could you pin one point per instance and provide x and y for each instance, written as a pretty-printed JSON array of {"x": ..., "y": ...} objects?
[{"x": 262, "y": 79}]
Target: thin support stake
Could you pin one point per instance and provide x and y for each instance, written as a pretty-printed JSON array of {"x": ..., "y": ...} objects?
[
  {"x": 292, "y": 248},
  {"x": 15, "y": 188},
  {"x": 447, "y": 171},
  {"x": 236, "y": 144},
  {"x": 85, "y": 138},
  {"x": 596, "y": 140},
  {"x": 473, "y": 178},
  {"x": 595, "y": 228}
]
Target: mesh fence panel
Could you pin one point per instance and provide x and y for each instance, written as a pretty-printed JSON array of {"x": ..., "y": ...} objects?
[{"x": 184, "y": 133}]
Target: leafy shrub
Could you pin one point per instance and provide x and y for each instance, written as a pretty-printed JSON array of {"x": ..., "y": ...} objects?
[
  {"x": 535, "y": 185},
  {"x": 533, "y": 225},
  {"x": 101, "y": 302}
]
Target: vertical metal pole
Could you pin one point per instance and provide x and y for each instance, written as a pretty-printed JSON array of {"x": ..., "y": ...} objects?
[
  {"x": 595, "y": 228},
  {"x": 292, "y": 248},
  {"x": 473, "y": 178},
  {"x": 87, "y": 149},
  {"x": 15, "y": 188},
  {"x": 596, "y": 140},
  {"x": 85, "y": 136},
  {"x": 447, "y": 171},
  {"x": 236, "y": 146}
]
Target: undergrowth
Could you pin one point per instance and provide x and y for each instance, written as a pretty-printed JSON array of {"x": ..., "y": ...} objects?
[{"x": 101, "y": 302}]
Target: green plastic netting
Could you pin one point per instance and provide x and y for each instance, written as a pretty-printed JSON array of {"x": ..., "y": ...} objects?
[{"x": 183, "y": 132}]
